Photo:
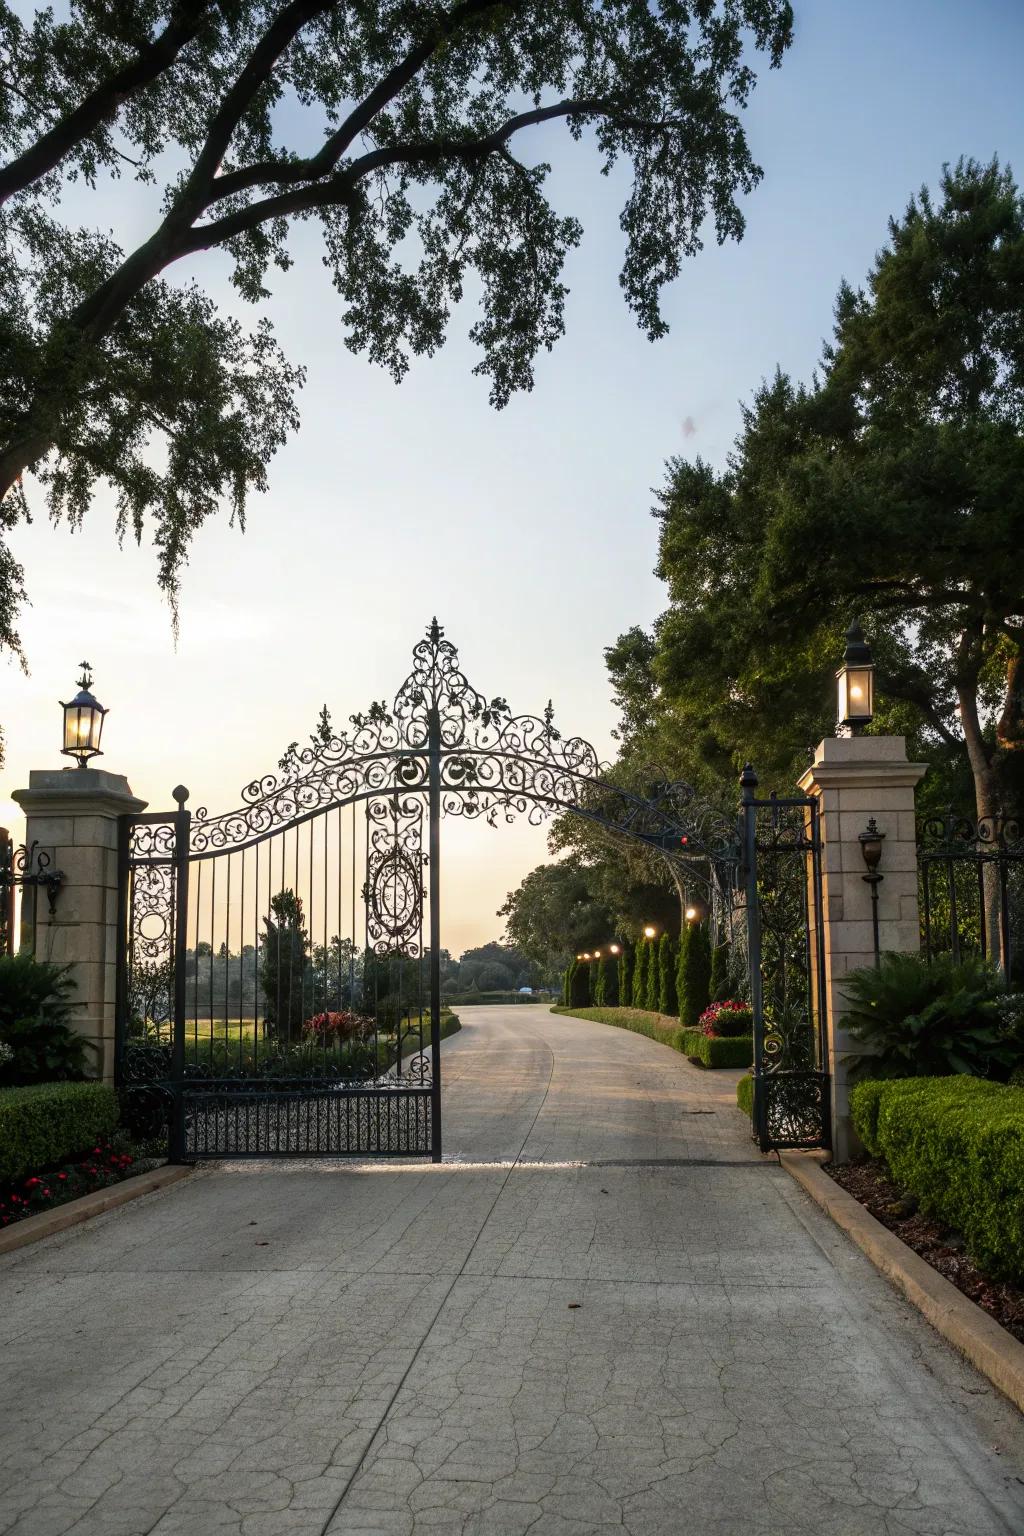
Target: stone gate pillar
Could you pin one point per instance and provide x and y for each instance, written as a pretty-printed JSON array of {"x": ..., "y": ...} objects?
[
  {"x": 854, "y": 779},
  {"x": 72, "y": 813}
]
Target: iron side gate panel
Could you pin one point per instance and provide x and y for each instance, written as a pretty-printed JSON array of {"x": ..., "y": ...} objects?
[
  {"x": 786, "y": 956},
  {"x": 245, "y": 1025}
]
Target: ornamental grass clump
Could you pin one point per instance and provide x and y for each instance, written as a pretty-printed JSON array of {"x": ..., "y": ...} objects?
[{"x": 726, "y": 1020}]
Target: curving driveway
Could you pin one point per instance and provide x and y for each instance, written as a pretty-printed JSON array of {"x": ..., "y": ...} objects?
[{"x": 603, "y": 1314}]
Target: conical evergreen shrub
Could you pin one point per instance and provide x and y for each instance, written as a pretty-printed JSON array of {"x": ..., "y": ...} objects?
[
  {"x": 694, "y": 977},
  {"x": 652, "y": 977},
  {"x": 609, "y": 982},
  {"x": 667, "y": 960},
  {"x": 579, "y": 986},
  {"x": 640, "y": 974},
  {"x": 626, "y": 976},
  {"x": 719, "y": 973}
]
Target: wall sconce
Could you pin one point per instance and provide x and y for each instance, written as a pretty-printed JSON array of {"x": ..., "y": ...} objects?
[{"x": 871, "y": 840}]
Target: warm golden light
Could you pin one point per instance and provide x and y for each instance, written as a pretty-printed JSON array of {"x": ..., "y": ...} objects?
[
  {"x": 691, "y": 913},
  {"x": 614, "y": 948},
  {"x": 83, "y": 722},
  {"x": 649, "y": 932}
]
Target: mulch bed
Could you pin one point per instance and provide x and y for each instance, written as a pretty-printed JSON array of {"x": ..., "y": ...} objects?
[{"x": 870, "y": 1183}]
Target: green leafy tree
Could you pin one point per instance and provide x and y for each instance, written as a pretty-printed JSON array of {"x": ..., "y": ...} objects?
[
  {"x": 406, "y": 122},
  {"x": 891, "y": 487},
  {"x": 40, "y": 1043},
  {"x": 285, "y": 974},
  {"x": 693, "y": 980},
  {"x": 667, "y": 961},
  {"x": 554, "y": 914}
]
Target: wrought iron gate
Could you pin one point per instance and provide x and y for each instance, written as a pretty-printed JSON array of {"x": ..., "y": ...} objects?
[
  {"x": 247, "y": 1036},
  {"x": 781, "y": 841}
]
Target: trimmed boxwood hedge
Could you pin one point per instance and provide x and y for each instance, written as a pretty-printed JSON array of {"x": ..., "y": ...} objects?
[
  {"x": 48, "y": 1123},
  {"x": 957, "y": 1144},
  {"x": 745, "y": 1095},
  {"x": 717, "y": 1050}
]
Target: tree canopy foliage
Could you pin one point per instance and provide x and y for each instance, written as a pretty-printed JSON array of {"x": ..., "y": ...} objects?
[
  {"x": 891, "y": 488},
  {"x": 395, "y": 126}
]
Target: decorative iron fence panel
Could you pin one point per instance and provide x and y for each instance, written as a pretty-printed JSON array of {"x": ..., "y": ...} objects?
[
  {"x": 971, "y": 886},
  {"x": 786, "y": 956}
]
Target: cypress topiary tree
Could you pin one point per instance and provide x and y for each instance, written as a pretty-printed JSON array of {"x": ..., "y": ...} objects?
[
  {"x": 640, "y": 975},
  {"x": 652, "y": 977},
  {"x": 567, "y": 981},
  {"x": 626, "y": 976},
  {"x": 681, "y": 949},
  {"x": 667, "y": 960},
  {"x": 719, "y": 973},
  {"x": 694, "y": 977},
  {"x": 597, "y": 982},
  {"x": 579, "y": 986},
  {"x": 609, "y": 982}
]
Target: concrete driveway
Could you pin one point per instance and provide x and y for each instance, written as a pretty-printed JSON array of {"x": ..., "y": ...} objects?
[{"x": 603, "y": 1314}]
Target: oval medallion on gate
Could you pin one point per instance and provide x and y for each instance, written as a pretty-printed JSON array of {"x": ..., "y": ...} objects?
[{"x": 396, "y": 894}]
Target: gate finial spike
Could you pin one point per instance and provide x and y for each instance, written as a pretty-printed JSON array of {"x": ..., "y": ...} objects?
[
  {"x": 435, "y": 631},
  {"x": 180, "y": 795}
]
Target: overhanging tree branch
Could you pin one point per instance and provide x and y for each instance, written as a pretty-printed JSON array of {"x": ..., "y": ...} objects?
[{"x": 102, "y": 103}]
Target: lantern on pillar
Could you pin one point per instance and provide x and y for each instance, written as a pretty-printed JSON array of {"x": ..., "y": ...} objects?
[
  {"x": 83, "y": 721},
  {"x": 856, "y": 680}
]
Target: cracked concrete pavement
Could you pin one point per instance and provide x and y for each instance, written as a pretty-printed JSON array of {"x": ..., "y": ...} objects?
[{"x": 603, "y": 1313}]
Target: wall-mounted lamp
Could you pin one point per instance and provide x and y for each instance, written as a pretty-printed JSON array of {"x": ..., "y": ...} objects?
[{"x": 871, "y": 840}]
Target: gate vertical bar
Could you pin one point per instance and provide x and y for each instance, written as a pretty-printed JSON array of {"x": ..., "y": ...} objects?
[
  {"x": 182, "y": 825},
  {"x": 820, "y": 972},
  {"x": 748, "y": 833},
  {"x": 124, "y": 839},
  {"x": 434, "y": 772}
]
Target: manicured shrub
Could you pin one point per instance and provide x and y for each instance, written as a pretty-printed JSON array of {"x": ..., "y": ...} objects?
[
  {"x": 928, "y": 1020},
  {"x": 719, "y": 985},
  {"x": 579, "y": 986},
  {"x": 626, "y": 976},
  {"x": 694, "y": 978},
  {"x": 717, "y": 1051},
  {"x": 667, "y": 960},
  {"x": 727, "y": 1018},
  {"x": 957, "y": 1144},
  {"x": 745, "y": 1095},
  {"x": 608, "y": 982},
  {"x": 35, "y": 1010},
  {"x": 640, "y": 974},
  {"x": 567, "y": 981},
  {"x": 653, "y": 986},
  {"x": 47, "y": 1123}
]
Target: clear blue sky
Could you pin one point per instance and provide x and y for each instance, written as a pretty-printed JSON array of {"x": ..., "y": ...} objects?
[{"x": 528, "y": 531}]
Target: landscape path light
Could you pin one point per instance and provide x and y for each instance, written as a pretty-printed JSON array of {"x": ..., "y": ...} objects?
[
  {"x": 696, "y": 910},
  {"x": 650, "y": 931},
  {"x": 856, "y": 683},
  {"x": 83, "y": 721}
]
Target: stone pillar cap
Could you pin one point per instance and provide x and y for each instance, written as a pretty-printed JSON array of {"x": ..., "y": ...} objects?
[
  {"x": 78, "y": 791},
  {"x": 861, "y": 760}
]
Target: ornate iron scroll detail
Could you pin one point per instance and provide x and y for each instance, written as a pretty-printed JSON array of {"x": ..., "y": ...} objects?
[
  {"x": 394, "y": 875},
  {"x": 493, "y": 764},
  {"x": 29, "y": 867},
  {"x": 953, "y": 836}
]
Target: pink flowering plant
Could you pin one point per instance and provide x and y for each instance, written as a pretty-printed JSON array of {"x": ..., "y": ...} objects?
[
  {"x": 330, "y": 1028},
  {"x": 727, "y": 1019}
]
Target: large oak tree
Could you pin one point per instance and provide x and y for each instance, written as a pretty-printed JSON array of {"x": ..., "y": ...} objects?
[
  {"x": 892, "y": 488},
  {"x": 402, "y": 128}
]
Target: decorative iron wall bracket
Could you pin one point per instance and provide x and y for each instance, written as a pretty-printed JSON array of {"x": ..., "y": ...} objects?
[{"x": 30, "y": 866}]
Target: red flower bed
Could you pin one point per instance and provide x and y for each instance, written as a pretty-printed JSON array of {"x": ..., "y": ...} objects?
[
  {"x": 726, "y": 1019},
  {"x": 102, "y": 1166},
  {"x": 328, "y": 1028}
]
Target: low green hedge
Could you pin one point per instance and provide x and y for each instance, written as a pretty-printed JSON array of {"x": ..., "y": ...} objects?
[
  {"x": 49, "y": 1123},
  {"x": 492, "y": 999},
  {"x": 656, "y": 1026},
  {"x": 957, "y": 1144},
  {"x": 745, "y": 1095},
  {"x": 717, "y": 1050}
]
